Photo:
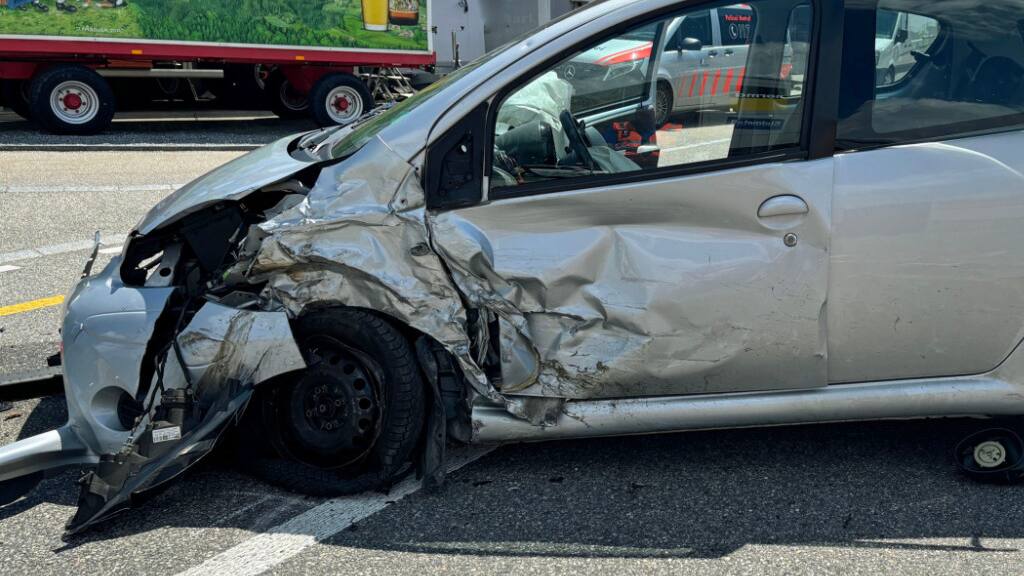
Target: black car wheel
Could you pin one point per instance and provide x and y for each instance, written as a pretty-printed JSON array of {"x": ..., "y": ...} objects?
[
  {"x": 351, "y": 421},
  {"x": 662, "y": 104}
]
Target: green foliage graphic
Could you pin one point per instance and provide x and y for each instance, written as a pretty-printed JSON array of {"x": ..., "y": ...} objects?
[{"x": 323, "y": 23}]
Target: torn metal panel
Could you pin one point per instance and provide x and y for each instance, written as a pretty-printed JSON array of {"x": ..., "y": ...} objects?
[
  {"x": 250, "y": 346},
  {"x": 225, "y": 353},
  {"x": 360, "y": 239}
]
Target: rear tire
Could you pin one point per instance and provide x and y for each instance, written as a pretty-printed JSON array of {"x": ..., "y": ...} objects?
[
  {"x": 348, "y": 423},
  {"x": 14, "y": 96},
  {"x": 284, "y": 100},
  {"x": 71, "y": 100},
  {"x": 339, "y": 99}
]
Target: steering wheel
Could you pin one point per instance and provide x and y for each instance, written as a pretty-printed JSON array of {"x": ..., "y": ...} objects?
[{"x": 576, "y": 141}]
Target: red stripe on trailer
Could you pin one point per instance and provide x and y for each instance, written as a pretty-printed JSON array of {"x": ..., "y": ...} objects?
[
  {"x": 728, "y": 82},
  {"x": 739, "y": 79},
  {"x": 142, "y": 50},
  {"x": 714, "y": 85},
  {"x": 693, "y": 84},
  {"x": 703, "y": 83}
]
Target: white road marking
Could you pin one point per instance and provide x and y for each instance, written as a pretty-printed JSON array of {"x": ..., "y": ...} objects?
[
  {"x": 80, "y": 188},
  {"x": 63, "y": 248},
  {"x": 8, "y": 268},
  {"x": 265, "y": 551},
  {"x": 111, "y": 250}
]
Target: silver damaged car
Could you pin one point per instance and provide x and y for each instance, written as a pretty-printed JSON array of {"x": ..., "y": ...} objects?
[{"x": 516, "y": 254}]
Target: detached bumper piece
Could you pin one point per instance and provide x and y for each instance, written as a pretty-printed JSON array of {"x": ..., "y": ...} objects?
[
  {"x": 183, "y": 431},
  {"x": 203, "y": 382}
]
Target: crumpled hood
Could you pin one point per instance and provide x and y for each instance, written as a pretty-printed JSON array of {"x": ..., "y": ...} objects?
[{"x": 233, "y": 180}]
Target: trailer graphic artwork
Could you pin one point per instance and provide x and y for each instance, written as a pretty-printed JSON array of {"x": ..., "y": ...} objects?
[{"x": 367, "y": 24}]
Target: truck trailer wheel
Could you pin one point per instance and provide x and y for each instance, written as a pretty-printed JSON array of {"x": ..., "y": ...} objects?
[
  {"x": 348, "y": 423},
  {"x": 339, "y": 99},
  {"x": 284, "y": 99},
  {"x": 71, "y": 100},
  {"x": 14, "y": 97}
]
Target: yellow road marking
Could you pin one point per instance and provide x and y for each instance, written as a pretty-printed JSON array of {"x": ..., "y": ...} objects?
[{"x": 32, "y": 305}]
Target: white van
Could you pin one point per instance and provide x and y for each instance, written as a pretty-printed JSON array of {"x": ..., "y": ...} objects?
[{"x": 702, "y": 64}]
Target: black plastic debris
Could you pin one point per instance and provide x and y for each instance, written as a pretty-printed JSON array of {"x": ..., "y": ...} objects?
[{"x": 994, "y": 455}]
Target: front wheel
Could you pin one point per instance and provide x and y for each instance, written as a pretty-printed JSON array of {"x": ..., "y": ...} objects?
[
  {"x": 348, "y": 423},
  {"x": 71, "y": 100},
  {"x": 339, "y": 99},
  {"x": 662, "y": 104}
]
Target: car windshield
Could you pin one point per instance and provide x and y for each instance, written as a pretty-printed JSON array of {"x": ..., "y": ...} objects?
[
  {"x": 885, "y": 23},
  {"x": 367, "y": 129}
]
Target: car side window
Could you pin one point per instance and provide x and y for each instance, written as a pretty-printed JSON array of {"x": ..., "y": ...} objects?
[
  {"x": 916, "y": 71},
  {"x": 736, "y": 24},
  {"x": 697, "y": 25},
  {"x": 619, "y": 106}
]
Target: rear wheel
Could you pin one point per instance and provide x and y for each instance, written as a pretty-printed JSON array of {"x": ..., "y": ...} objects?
[
  {"x": 284, "y": 99},
  {"x": 71, "y": 100},
  {"x": 14, "y": 96},
  {"x": 351, "y": 421},
  {"x": 339, "y": 99}
]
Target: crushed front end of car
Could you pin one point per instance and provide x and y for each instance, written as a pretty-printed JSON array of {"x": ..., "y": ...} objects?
[
  {"x": 160, "y": 352},
  {"x": 212, "y": 300}
]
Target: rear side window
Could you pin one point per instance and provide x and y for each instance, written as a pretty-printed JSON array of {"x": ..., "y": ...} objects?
[
  {"x": 737, "y": 24},
  {"x": 917, "y": 71}
]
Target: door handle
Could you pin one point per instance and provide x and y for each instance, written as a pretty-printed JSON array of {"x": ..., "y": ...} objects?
[
  {"x": 729, "y": 52},
  {"x": 712, "y": 53},
  {"x": 785, "y": 205}
]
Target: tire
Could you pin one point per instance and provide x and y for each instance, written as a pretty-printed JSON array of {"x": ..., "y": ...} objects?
[
  {"x": 284, "y": 101},
  {"x": 71, "y": 100},
  {"x": 14, "y": 96},
  {"x": 282, "y": 419},
  {"x": 663, "y": 101},
  {"x": 339, "y": 99}
]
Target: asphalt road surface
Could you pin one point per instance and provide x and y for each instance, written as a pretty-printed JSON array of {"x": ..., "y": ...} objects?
[{"x": 838, "y": 499}]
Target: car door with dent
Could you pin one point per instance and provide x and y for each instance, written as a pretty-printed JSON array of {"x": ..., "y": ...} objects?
[{"x": 606, "y": 279}]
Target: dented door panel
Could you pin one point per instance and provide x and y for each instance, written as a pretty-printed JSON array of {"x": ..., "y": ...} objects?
[{"x": 671, "y": 286}]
